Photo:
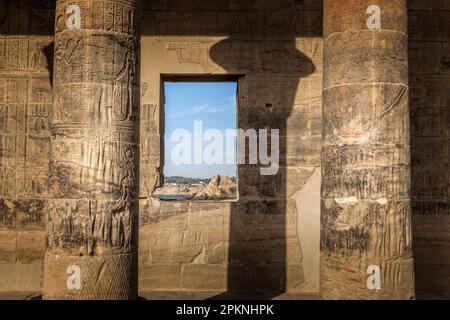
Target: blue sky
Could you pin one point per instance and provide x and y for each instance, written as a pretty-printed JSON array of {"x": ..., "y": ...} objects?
[{"x": 213, "y": 103}]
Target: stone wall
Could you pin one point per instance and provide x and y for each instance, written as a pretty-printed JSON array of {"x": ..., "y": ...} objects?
[
  {"x": 270, "y": 236},
  {"x": 429, "y": 33},
  {"x": 269, "y": 239},
  {"x": 26, "y": 36},
  {"x": 366, "y": 212}
]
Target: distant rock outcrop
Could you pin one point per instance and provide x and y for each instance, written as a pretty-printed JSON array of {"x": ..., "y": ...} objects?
[{"x": 219, "y": 188}]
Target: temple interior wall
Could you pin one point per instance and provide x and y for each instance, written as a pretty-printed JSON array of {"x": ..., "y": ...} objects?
[
  {"x": 429, "y": 57},
  {"x": 26, "y": 45},
  {"x": 269, "y": 238}
]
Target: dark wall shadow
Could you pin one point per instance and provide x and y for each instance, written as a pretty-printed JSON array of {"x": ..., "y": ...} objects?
[
  {"x": 49, "y": 53},
  {"x": 430, "y": 149},
  {"x": 27, "y": 17},
  {"x": 430, "y": 127},
  {"x": 257, "y": 258},
  {"x": 257, "y": 253}
]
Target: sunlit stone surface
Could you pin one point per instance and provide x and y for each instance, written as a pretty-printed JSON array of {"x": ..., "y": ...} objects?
[
  {"x": 92, "y": 223},
  {"x": 366, "y": 211}
]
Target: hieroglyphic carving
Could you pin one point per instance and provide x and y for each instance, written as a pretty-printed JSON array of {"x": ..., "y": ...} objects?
[
  {"x": 92, "y": 210},
  {"x": 110, "y": 16},
  {"x": 25, "y": 99},
  {"x": 188, "y": 26},
  {"x": 287, "y": 57},
  {"x": 26, "y": 35},
  {"x": 23, "y": 54},
  {"x": 366, "y": 210},
  {"x": 272, "y": 25}
]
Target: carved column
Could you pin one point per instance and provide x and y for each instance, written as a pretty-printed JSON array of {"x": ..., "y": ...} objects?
[
  {"x": 92, "y": 223},
  {"x": 366, "y": 225}
]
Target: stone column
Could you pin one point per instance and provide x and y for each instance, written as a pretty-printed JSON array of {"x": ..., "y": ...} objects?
[
  {"x": 92, "y": 223},
  {"x": 366, "y": 225}
]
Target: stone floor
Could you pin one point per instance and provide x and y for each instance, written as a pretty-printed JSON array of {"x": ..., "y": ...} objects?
[{"x": 183, "y": 295}]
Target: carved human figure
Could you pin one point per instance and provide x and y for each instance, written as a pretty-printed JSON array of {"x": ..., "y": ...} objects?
[{"x": 93, "y": 205}]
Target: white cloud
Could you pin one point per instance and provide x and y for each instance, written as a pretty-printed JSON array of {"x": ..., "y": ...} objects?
[{"x": 228, "y": 104}]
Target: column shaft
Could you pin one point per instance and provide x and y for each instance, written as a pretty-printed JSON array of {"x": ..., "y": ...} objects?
[
  {"x": 366, "y": 214},
  {"x": 92, "y": 224}
]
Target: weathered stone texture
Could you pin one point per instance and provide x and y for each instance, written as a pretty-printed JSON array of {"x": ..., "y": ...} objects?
[
  {"x": 268, "y": 240},
  {"x": 252, "y": 244},
  {"x": 429, "y": 55},
  {"x": 92, "y": 218},
  {"x": 199, "y": 242},
  {"x": 26, "y": 36},
  {"x": 366, "y": 212}
]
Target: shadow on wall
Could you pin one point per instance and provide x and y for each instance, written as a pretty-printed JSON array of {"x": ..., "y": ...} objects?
[
  {"x": 262, "y": 251},
  {"x": 430, "y": 147},
  {"x": 258, "y": 226},
  {"x": 263, "y": 234},
  {"x": 257, "y": 253},
  {"x": 49, "y": 53},
  {"x": 265, "y": 42}
]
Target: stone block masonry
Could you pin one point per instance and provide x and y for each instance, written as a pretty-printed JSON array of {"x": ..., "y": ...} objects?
[
  {"x": 26, "y": 54},
  {"x": 366, "y": 211},
  {"x": 83, "y": 162},
  {"x": 429, "y": 74},
  {"x": 92, "y": 223}
]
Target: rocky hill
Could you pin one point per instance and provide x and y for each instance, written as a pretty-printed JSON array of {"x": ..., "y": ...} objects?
[{"x": 218, "y": 188}]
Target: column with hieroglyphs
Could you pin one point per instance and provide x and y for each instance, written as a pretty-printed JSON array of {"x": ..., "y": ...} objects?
[
  {"x": 92, "y": 222},
  {"x": 366, "y": 248}
]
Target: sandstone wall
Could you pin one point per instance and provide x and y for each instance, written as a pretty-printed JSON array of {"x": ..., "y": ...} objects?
[
  {"x": 429, "y": 33},
  {"x": 269, "y": 239},
  {"x": 275, "y": 49},
  {"x": 366, "y": 212},
  {"x": 26, "y": 35}
]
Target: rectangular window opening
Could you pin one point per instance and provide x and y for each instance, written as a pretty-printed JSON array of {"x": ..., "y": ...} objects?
[{"x": 200, "y": 140}]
